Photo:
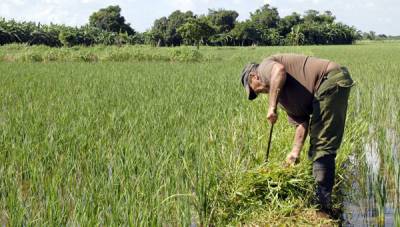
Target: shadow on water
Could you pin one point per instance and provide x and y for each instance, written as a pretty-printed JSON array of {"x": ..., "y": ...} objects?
[{"x": 372, "y": 192}]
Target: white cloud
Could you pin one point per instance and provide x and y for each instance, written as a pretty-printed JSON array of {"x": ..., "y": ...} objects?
[
  {"x": 4, "y": 8},
  {"x": 385, "y": 20},
  {"x": 370, "y": 4},
  {"x": 18, "y": 2}
]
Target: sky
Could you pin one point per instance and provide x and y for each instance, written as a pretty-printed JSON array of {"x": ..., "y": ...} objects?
[{"x": 381, "y": 16}]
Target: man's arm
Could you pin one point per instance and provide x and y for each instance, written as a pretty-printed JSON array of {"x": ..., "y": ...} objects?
[
  {"x": 299, "y": 138},
  {"x": 277, "y": 80}
]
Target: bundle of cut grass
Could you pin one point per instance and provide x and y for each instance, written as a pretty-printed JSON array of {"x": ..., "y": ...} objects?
[{"x": 271, "y": 188}]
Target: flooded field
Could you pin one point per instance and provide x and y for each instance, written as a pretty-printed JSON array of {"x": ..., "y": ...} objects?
[
  {"x": 372, "y": 188},
  {"x": 166, "y": 137}
]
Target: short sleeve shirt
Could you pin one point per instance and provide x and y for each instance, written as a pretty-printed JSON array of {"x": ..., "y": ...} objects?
[{"x": 303, "y": 74}]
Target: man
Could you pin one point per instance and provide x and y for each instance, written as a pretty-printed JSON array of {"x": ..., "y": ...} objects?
[{"x": 314, "y": 93}]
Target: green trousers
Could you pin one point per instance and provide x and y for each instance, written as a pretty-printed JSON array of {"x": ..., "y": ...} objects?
[
  {"x": 329, "y": 114},
  {"x": 326, "y": 131}
]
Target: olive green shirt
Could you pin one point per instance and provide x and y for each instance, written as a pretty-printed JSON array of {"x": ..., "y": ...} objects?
[{"x": 303, "y": 76}]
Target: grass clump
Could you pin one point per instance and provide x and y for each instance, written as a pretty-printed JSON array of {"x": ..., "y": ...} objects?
[
  {"x": 85, "y": 57},
  {"x": 185, "y": 54},
  {"x": 118, "y": 56},
  {"x": 267, "y": 188},
  {"x": 32, "y": 57}
]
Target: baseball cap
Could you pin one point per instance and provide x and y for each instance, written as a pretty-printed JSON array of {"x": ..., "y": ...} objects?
[{"x": 245, "y": 79}]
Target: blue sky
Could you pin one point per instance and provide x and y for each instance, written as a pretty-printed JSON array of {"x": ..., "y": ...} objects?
[{"x": 381, "y": 16}]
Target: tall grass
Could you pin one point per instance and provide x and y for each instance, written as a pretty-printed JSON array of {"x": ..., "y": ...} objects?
[
  {"x": 35, "y": 54},
  {"x": 169, "y": 138},
  {"x": 376, "y": 102}
]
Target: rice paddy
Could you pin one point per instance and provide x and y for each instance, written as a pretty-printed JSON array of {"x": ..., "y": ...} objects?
[{"x": 144, "y": 136}]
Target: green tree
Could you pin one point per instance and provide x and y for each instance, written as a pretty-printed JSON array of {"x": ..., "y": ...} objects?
[
  {"x": 195, "y": 31},
  {"x": 287, "y": 23},
  {"x": 273, "y": 37},
  {"x": 164, "y": 30},
  {"x": 313, "y": 16},
  {"x": 39, "y": 37},
  {"x": 245, "y": 33},
  {"x": 265, "y": 17},
  {"x": 327, "y": 17},
  {"x": 157, "y": 35},
  {"x": 110, "y": 19},
  {"x": 219, "y": 27},
  {"x": 295, "y": 37},
  {"x": 175, "y": 20},
  {"x": 223, "y": 20},
  {"x": 67, "y": 38},
  {"x": 371, "y": 35}
]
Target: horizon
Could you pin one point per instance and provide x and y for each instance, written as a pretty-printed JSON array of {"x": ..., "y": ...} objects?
[{"x": 77, "y": 12}]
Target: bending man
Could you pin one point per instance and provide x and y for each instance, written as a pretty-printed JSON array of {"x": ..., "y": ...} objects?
[{"x": 314, "y": 93}]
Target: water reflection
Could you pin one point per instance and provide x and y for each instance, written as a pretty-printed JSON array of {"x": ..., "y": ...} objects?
[{"x": 371, "y": 194}]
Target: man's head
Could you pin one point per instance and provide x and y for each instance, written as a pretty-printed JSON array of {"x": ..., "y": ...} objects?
[{"x": 252, "y": 81}]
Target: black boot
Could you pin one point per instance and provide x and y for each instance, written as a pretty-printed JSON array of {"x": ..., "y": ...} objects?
[{"x": 324, "y": 174}]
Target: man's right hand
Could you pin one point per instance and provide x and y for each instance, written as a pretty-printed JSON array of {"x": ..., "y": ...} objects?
[{"x": 272, "y": 116}]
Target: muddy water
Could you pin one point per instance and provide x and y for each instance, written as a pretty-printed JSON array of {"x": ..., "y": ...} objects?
[{"x": 372, "y": 192}]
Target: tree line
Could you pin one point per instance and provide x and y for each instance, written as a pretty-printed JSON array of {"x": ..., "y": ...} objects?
[
  {"x": 371, "y": 35},
  {"x": 217, "y": 28},
  {"x": 106, "y": 26}
]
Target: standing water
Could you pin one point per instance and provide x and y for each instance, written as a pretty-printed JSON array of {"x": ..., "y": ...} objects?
[{"x": 372, "y": 192}]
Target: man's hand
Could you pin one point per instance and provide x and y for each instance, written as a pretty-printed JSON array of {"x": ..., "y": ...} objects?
[
  {"x": 272, "y": 116},
  {"x": 299, "y": 137},
  {"x": 277, "y": 80}
]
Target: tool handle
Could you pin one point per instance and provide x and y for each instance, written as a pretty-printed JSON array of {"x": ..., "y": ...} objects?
[
  {"x": 271, "y": 129},
  {"x": 269, "y": 142}
]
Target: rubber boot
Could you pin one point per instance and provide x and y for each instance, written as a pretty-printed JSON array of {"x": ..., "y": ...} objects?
[{"x": 324, "y": 174}]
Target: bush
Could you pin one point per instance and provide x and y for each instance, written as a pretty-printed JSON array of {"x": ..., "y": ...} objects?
[
  {"x": 85, "y": 57},
  {"x": 186, "y": 55},
  {"x": 32, "y": 57},
  {"x": 24, "y": 53},
  {"x": 59, "y": 54},
  {"x": 118, "y": 56}
]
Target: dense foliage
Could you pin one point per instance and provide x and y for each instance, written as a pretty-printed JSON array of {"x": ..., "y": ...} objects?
[
  {"x": 264, "y": 27},
  {"x": 110, "y": 19},
  {"x": 106, "y": 27},
  {"x": 218, "y": 28}
]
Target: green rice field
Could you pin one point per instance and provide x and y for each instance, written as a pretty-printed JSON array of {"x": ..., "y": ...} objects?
[{"x": 144, "y": 136}]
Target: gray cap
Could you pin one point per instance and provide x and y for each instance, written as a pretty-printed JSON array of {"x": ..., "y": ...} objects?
[{"x": 245, "y": 79}]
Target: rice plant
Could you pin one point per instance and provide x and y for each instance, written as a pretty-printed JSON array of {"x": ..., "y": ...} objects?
[{"x": 165, "y": 136}]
